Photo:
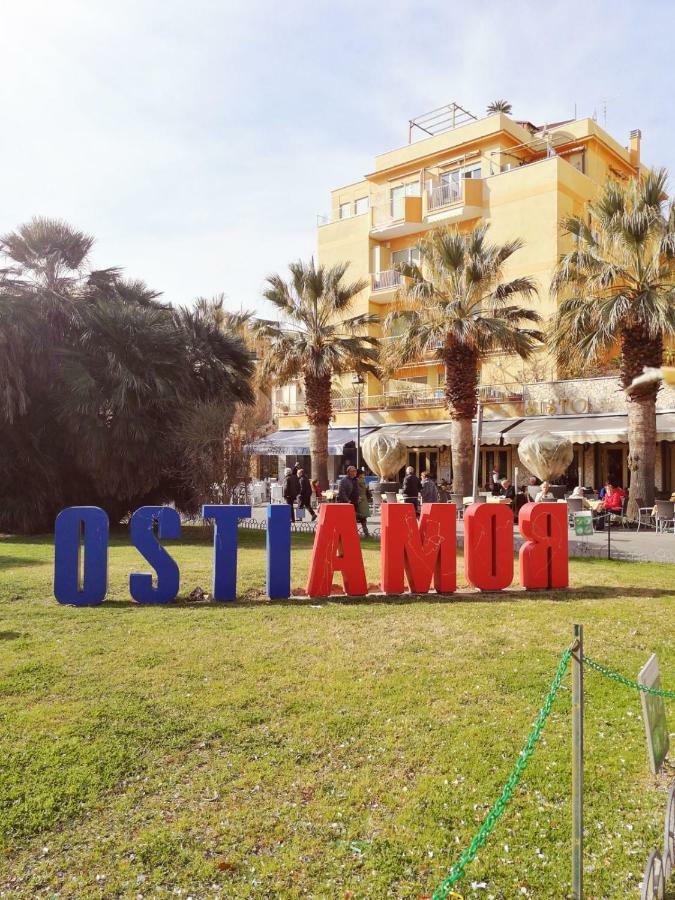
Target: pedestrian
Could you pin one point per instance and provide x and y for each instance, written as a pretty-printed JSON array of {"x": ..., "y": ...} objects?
[
  {"x": 428, "y": 489},
  {"x": 291, "y": 490},
  {"x": 305, "y": 495},
  {"x": 411, "y": 489},
  {"x": 363, "y": 508},
  {"x": 348, "y": 490}
]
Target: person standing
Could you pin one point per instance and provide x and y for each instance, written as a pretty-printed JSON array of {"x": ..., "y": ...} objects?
[
  {"x": 428, "y": 489},
  {"x": 411, "y": 489},
  {"x": 291, "y": 490},
  {"x": 348, "y": 491},
  {"x": 305, "y": 495},
  {"x": 363, "y": 508}
]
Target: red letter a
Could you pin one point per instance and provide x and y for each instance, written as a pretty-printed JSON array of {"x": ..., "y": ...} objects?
[
  {"x": 335, "y": 531},
  {"x": 424, "y": 553},
  {"x": 488, "y": 546},
  {"x": 543, "y": 558}
]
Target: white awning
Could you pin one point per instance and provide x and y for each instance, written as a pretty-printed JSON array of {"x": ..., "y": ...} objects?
[
  {"x": 590, "y": 429},
  {"x": 437, "y": 434},
  {"x": 290, "y": 441}
]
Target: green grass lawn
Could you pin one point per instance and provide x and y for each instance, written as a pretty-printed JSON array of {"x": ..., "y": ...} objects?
[{"x": 316, "y": 749}]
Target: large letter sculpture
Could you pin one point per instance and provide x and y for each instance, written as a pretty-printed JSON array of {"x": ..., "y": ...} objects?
[
  {"x": 543, "y": 559},
  {"x": 225, "y": 538},
  {"x": 143, "y": 538},
  {"x": 424, "y": 553},
  {"x": 278, "y": 551},
  {"x": 90, "y": 523},
  {"x": 488, "y": 546},
  {"x": 336, "y": 549}
]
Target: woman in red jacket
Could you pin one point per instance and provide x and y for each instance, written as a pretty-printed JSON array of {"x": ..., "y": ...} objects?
[{"x": 614, "y": 498}]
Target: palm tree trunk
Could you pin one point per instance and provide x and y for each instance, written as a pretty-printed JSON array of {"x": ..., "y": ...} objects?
[
  {"x": 461, "y": 394},
  {"x": 641, "y": 453},
  {"x": 461, "y": 436},
  {"x": 319, "y": 413},
  {"x": 639, "y": 349}
]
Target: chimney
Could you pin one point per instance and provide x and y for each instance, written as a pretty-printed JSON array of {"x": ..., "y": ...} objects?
[{"x": 634, "y": 147}]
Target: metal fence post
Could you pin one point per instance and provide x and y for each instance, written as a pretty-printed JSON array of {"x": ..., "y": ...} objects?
[{"x": 578, "y": 764}]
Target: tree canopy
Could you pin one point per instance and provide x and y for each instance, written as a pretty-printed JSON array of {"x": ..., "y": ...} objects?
[{"x": 104, "y": 386}]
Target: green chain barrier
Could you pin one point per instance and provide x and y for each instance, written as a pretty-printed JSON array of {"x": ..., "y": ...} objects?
[
  {"x": 442, "y": 892},
  {"x": 616, "y": 676}
]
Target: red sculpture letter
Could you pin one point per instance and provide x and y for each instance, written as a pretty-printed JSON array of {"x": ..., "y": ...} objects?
[
  {"x": 488, "y": 546},
  {"x": 424, "y": 553},
  {"x": 336, "y": 548},
  {"x": 543, "y": 558}
]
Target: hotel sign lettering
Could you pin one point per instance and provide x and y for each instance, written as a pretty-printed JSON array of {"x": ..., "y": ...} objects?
[{"x": 565, "y": 406}]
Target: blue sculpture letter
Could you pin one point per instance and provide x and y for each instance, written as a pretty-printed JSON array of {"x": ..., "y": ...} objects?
[
  {"x": 278, "y": 551},
  {"x": 225, "y": 520},
  {"x": 144, "y": 540},
  {"x": 90, "y": 522}
]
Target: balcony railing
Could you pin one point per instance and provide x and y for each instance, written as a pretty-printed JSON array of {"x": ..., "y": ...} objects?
[
  {"x": 444, "y": 194},
  {"x": 384, "y": 281},
  {"x": 407, "y": 399}
]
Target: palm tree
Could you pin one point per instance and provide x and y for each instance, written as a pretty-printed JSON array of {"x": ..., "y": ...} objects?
[
  {"x": 315, "y": 342},
  {"x": 617, "y": 289},
  {"x": 499, "y": 106},
  {"x": 457, "y": 307}
]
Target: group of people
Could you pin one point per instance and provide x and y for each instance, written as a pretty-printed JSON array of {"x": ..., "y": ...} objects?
[{"x": 298, "y": 488}]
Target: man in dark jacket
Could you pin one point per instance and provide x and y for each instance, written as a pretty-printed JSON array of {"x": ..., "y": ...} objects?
[
  {"x": 305, "y": 501},
  {"x": 291, "y": 490},
  {"x": 348, "y": 491},
  {"x": 411, "y": 489}
]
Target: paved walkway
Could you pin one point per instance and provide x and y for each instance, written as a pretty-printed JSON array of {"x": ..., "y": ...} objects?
[{"x": 621, "y": 543}]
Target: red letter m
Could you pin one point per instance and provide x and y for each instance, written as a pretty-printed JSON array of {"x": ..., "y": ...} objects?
[{"x": 423, "y": 553}]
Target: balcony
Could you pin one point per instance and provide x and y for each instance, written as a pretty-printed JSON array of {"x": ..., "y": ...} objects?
[
  {"x": 440, "y": 203},
  {"x": 388, "y": 280},
  {"x": 411, "y": 399}
]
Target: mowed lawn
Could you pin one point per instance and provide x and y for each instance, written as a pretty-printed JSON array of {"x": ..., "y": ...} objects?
[{"x": 327, "y": 749}]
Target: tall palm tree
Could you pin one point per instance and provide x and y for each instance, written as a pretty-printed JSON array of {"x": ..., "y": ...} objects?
[
  {"x": 617, "y": 288},
  {"x": 315, "y": 341},
  {"x": 457, "y": 307},
  {"x": 496, "y": 106}
]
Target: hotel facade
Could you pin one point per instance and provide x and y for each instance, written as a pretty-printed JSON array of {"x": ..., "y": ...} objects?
[{"x": 522, "y": 179}]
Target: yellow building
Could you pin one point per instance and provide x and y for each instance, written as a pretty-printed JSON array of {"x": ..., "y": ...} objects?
[{"x": 523, "y": 179}]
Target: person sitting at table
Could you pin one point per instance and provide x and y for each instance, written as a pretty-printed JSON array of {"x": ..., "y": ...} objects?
[
  {"x": 614, "y": 497},
  {"x": 544, "y": 495},
  {"x": 508, "y": 491},
  {"x": 578, "y": 494},
  {"x": 318, "y": 493}
]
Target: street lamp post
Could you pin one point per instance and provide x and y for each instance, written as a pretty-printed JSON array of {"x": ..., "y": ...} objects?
[{"x": 358, "y": 381}]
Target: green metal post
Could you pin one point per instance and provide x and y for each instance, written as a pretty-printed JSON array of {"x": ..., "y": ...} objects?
[{"x": 578, "y": 764}]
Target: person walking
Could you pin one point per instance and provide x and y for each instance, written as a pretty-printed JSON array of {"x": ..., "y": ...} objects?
[
  {"x": 363, "y": 508},
  {"x": 291, "y": 490},
  {"x": 428, "y": 489},
  {"x": 305, "y": 495},
  {"x": 411, "y": 489}
]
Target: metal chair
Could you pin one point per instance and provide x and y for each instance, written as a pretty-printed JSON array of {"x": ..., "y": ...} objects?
[
  {"x": 620, "y": 518},
  {"x": 645, "y": 514},
  {"x": 574, "y": 505},
  {"x": 665, "y": 515}
]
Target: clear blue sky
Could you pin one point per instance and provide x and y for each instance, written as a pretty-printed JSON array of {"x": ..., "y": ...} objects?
[{"x": 197, "y": 141}]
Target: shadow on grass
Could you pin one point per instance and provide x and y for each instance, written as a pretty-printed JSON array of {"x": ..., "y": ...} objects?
[
  {"x": 10, "y": 635},
  {"x": 16, "y": 562},
  {"x": 509, "y": 596}
]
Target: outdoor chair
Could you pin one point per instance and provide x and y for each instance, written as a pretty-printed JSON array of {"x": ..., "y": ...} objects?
[
  {"x": 665, "y": 515},
  {"x": 574, "y": 505},
  {"x": 645, "y": 514}
]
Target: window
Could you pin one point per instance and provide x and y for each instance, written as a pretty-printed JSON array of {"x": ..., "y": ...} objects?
[
  {"x": 398, "y": 193},
  {"x": 360, "y": 206},
  {"x": 408, "y": 256},
  {"x": 345, "y": 210},
  {"x": 472, "y": 171}
]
